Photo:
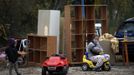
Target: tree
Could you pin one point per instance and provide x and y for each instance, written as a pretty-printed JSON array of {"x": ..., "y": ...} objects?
[{"x": 21, "y": 15}]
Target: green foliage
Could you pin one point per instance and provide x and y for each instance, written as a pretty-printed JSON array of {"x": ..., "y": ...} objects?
[{"x": 18, "y": 14}]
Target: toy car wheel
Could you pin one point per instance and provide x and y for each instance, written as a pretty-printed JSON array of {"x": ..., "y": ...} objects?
[
  {"x": 50, "y": 73},
  {"x": 65, "y": 70},
  {"x": 85, "y": 67},
  {"x": 44, "y": 71},
  {"x": 106, "y": 67},
  {"x": 64, "y": 73}
]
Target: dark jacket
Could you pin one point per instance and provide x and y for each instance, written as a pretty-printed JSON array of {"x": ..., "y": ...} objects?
[
  {"x": 11, "y": 51},
  {"x": 12, "y": 54}
]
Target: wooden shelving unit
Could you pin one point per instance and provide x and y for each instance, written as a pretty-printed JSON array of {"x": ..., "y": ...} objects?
[
  {"x": 79, "y": 30},
  {"x": 41, "y": 47}
]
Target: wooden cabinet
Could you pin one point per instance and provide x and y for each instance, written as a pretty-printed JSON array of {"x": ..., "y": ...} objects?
[
  {"x": 79, "y": 28},
  {"x": 41, "y": 47}
]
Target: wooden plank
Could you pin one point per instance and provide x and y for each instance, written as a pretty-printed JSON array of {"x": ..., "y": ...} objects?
[{"x": 67, "y": 32}]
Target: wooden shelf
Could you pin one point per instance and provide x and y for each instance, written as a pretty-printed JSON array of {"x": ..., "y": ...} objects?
[
  {"x": 43, "y": 43},
  {"x": 77, "y": 55},
  {"x": 42, "y": 56},
  {"x": 84, "y": 19},
  {"x": 36, "y": 56},
  {"x": 77, "y": 34},
  {"x": 37, "y": 49},
  {"x": 80, "y": 29},
  {"x": 76, "y": 20},
  {"x": 30, "y": 56},
  {"x": 41, "y": 47}
]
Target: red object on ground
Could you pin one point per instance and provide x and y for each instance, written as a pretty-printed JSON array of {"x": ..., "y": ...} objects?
[{"x": 55, "y": 64}]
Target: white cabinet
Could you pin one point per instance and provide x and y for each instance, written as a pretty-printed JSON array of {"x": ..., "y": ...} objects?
[{"x": 49, "y": 24}]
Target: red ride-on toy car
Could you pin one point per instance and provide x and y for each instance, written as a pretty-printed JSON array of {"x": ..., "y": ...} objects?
[{"x": 55, "y": 64}]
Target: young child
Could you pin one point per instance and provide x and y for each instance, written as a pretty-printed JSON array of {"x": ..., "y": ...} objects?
[
  {"x": 95, "y": 53},
  {"x": 12, "y": 56}
]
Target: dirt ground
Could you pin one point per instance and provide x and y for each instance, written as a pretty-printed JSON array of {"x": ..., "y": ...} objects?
[{"x": 116, "y": 70}]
